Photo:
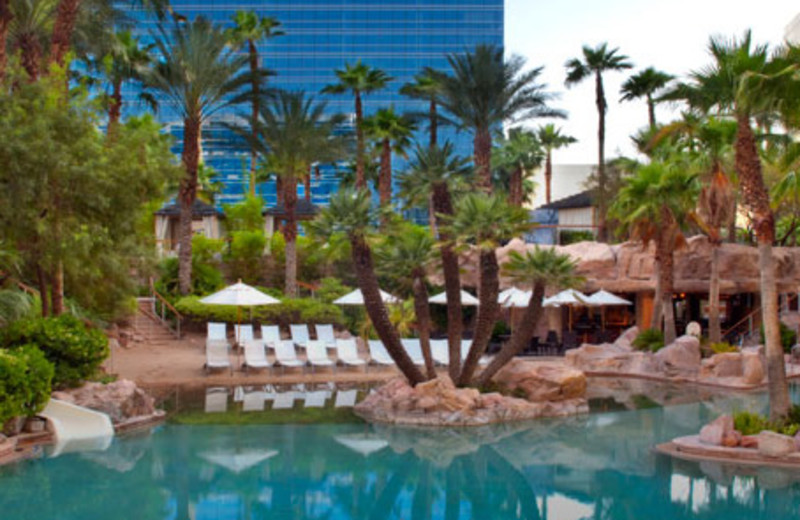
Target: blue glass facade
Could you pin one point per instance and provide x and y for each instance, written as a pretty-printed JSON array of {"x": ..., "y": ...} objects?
[{"x": 398, "y": 36}]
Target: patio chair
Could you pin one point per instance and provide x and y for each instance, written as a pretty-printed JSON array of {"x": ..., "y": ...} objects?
[
  {"x": 300, "y": 335},
  {"x": 325, "y": 334},
  {"x": 414, "y": 350},
  {"x": 286, "y": 356},
  {"x": 217, "y": 332},
  {"x": 347, "y": 353},
  {"x": 242, "y": 334},
  {"x": 283, "y": 400},
  {"x": 217, "y": 356},
  {"x": 318, "y": 356},
  {"x": 378, "y": 354},
  {"x": 253, "y": 401},
  {"x": 345, "y": 399},
  {"x": 216, "y": 400},
  {"x": 270, "y": 335},
  {"x": 316, "y": 399},
  {"x": 440, "y": 351},
  {"x": 254, "y": 356}
]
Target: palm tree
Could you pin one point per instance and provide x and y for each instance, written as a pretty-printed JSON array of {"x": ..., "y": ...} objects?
[
  {"x": 5, "y": 20},
  {"x": 651, "y": 207},
  {"x": 646, "y": 84},
  {"x": 541, "y": 268},
  {"x": 595, "y": 62},
  {"x": 521, "y": 153},
  {"x": 359, "y": 79},
  {"x": 393, "y": 133},
  {"x": 352, "y": 213},
  {"x": 127, "y": 59},
  {"x": 250, "y": 29},
  {"x": 404, "y": 256},
  {"x": 198, "y": 73},
  {"x": 484, "y": 91},
  {"x": 292, "y": 133},
  {"x": 551, "y": 139},
  {"x": 435, "y": 172},
  {"x": 63, "y": 27},
  {"x": 427, "y": 87},
  {"x": 484, "y": 221},
  {"x": 28, "y": 30}
]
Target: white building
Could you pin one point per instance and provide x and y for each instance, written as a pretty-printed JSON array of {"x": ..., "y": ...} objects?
[
  {"x": 792, "y": 33},
  {"x": 568, "y": 180}
]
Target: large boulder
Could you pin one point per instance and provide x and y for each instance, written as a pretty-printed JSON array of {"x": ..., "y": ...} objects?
[
  {"x": 752, "y": 368},
  {"x": 625, "y": 340},
  {"x": 726, "y": 364},
  {"x": 681, "y": 357},
  {"x": 541, "y": 381},
  {"x": 771, "y": 444},
  {"x": 121, "y": 400},
  {"x": 717, "y": 430}
]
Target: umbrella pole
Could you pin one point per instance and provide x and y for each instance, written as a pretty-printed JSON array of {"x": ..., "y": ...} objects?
[{"x": 238, "y": 331}]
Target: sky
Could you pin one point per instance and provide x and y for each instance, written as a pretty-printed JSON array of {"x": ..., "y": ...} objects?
[{"x": 669, "y": 35}]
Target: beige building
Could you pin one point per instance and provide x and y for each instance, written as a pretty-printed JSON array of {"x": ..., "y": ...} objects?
[
  {"x": 792, "y": 33},
  {"x": 568, "y": 180}
]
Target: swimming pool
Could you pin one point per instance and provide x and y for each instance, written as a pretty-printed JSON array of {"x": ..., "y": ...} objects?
[{"x": 597, "y": 466}]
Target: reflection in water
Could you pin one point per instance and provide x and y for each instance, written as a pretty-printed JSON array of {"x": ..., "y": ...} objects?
[{"x": 599, "y": 466}]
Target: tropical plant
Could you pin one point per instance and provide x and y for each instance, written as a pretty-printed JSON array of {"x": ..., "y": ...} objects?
[
  {"x": 483, "y": 91},
  {"x": 393, "y": 132},
  {"x": 551, "y": 138},
  {"x": 29, "y": 24},
  {"x": 25, "y": 379},
  {"x": 594, "y": 63},
  {"x": 427, "y": 87},
  {"x": 520, "y": 153},
  {"x": 5, "y": 20},
  {"x": 646, "y": 84},
  {"x": 359, "y": 79},
  {"x": 649, "y": 340},
  {"x": 198, "y": 73}
]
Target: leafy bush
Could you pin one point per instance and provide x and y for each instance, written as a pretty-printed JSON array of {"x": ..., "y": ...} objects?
[
  {"x": 75, "y": 349},
  {"x": 722, "y": 348},
  {"x": 298, "y": 310},
  {"x": 649, "y": 339},
  {"x": 245, "y": 215},
  {"x": 205, "y": 278},
  {"x": 25, "y": 379},
  {"x": 245, "y": 258},
  {"x": 573, "y": 236},
  {"x": 206, "y": 250},
  {"x": 331, "y": 289},
  {"x": 750, "y": 423},
  {"x": 788, "y": 337}
]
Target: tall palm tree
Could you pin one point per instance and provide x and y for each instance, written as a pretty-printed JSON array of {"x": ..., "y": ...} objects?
[
  {"x": 393, "y": 133},
  {"x": 405, "y": 256},
  {"x": 28, "y": 30},
  {"x": 126, "y": 59},
  {"x": 541, "y": 268},
  {"x": 63, "y": 27},
  {"x": 551, "y": 139},
  {"x": 484, "y": 221},
  {"x": 199, "y": 73},
  {"x": 352, "y": 213},
  {"x": 651, "y": 207},
  {"x": 594, "y": 63},
  {"x": 427, "y": 87},
  {"x": 484, "y": 91},
  {"x": 359, "y": 79},
  {"x": 521, "y": 153},
  {"x": 645, "y": 84},
  {"x": 249, "y": 29},
  {"x": 292, "y": 133},
  {"x": 436, "y": 172}
]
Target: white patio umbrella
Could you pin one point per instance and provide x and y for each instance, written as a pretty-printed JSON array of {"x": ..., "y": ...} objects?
[
  {"x": 568, "y": 297},
  {"x": 603, "y": 299},
  {"x": 364, "y": 443},
  {"x": 466, "y": 299},
  {"x": 356, "y": 298},
  {"x": 513, "y": 297},
  {"x": 238, "y": 461}
]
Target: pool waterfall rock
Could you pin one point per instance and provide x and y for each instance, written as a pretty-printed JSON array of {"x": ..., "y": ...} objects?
[
  {"x": 121, "y": 400},
  {"x": 552, "y": 391}
]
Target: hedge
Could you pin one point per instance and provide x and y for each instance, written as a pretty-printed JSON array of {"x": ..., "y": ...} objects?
[
  {"x": 25, "y": 379},
  {"x": 297, "y": 310}
]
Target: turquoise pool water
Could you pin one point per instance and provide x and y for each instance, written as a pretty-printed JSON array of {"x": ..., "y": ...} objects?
[{"x": 600, "y": 466}]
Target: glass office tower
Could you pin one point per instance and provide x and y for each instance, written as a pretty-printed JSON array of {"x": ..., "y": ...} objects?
[{"x": 398, "y": 36}]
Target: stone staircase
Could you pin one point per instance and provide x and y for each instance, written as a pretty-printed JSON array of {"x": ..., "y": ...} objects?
[{"x": 147, "y": 327}]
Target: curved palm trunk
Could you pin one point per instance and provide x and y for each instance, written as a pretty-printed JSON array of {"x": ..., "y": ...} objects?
[
  {"x": 253, "y": 60},
  {"x": 290, "y": 234},
  {"x": 521, "y": 336},
  {"x": 714, "y": 326},
  {"x": 385, "y": 179},
  {"x": 487, "y": 314},
  {"x": 5, "y": 19},
  {"x": 482, "y": 149},
  {"x": 442, "y": 204},
  {"x": 361, "y": 180},
  {"x": 187, "y": 195},
  {"x": 600, "y": 101},
  {"x": 423, "y": 322},
  {"x": 64, "y": 26},
  {"x": 748, "y": 166},
  {"x": 548, "y": 176},
  {"x": 115, "y": 105},
  {"x": 376, "y": 310},
  {"x": 651, "y": 111}
]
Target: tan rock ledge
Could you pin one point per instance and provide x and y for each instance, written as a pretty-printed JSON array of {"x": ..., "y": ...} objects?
[{"x": 690, "y": 448}]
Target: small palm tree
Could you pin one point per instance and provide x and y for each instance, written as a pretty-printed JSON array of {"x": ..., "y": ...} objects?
[
  {"x": 28, "y": 30},
  {"x": 646, "y": 84},
  {"x": 393, "y": 132},
  {"x": 484, "y": 222},
  {"x": 199, "y": 74},
  {"x": 427, "y": 87},
  {"x": 551, "y": 139},
  {"x": 594, "y": 63},
  {"x": 541, "y": 268},
  {"x": 249, "y": 29},
  {"x": 521, "y": 153},
  {"x": 484, "y": 91},
  {"x": 352, "y": 213},
  {"x": 125, "y": 60},
  {"x": 359, "y": 79}
]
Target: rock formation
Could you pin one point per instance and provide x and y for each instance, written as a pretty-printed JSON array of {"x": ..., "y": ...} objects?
[{"x": 121, "y": 400}]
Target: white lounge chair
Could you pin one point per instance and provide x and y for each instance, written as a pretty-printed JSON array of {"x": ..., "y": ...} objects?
[
  {"x": 440, "y": 351},
  {"x": 270, "y": 335},
  {"x": 283, "y": 400},
  {"x": 243, "y": 333},
  {"x": 216, "y": 400},
  {"x": 378, "y": 354},
  {"x": 347, "y": 353},
  {"x": 217, "y": 356},
  {"x": 345, "y": 399},
  {"x": 414, "y": 350},
  {"x": 300, "y": 335},
  {"x": 316, "y": 399},
  {"x": 318, "y": 356},
  {"x": 325, "y": 334},
  {"x": 286, "y": 356},
  {"x": 253, "y": 401},
  {"x": 254, "y": 356},
  {"x": 217, "y": 332}
]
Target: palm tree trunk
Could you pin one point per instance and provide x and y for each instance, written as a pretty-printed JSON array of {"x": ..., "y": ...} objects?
[
  {"x": 422, "y": 311},
  {"x": 63, "y": 27},
  {"x": 748, "y": 166},
  {"x": 42, "y": 282},
  {"x": 600, "y": 101},
  {"x": 487, "y": 314},
  {"x": 432, "y": 217},
  {"x": 361, "y": 180},
  {"x": 385, "y": 179},
  {"x": 714, "y": 327},
  {"x": 187, "y": 195},
  {"x": 279, "y": 190},
  {"x": 5, "y": 20},
  {"x": 115, "y": 105},
  {"x": 548, "y": 176},
  {"x": 376, "y": 310},
  {"x": 434, "y": 124},
  {"x": 520, "y": 337},
  {"x": 31, "y": 55},
  {"x": 515, "y": 190},
  {"x": 57, "y": 290},
  {"x": 290, "y": 234},
  {"x": 307, "y": 186},
  {"x": 651, "y": 111},
  {"x": 482, "y": 149},
  {"x": 667, "y": 275},
  {"x": 732, "y": 223},
  {"x": 253, "y": 58},
  {"x": 657, "y": 317},
  {"x": 443, "y": 205}
]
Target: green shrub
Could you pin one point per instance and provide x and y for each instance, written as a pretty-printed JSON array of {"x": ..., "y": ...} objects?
[
  {"x": 25, "y": 379},
  {"x": 788, "y": 337},
  {"x": 722, "y": 348},
  {"x": 246, "y": 255},
  {"x": 75, "y": 349},
  {"x": 206, "y": 250},
  {"x": 245, "y": 215},
  {"x": 649, "y": 339},
  {"x": 299, "y": 310},
  {"x": 205, "y": 278},
  {"x": 573, "y": 236},
  {"x": 331, "y": 289},
  {"x": 750, "y": 423}
]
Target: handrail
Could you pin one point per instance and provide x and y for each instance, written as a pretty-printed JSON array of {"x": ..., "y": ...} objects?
[
  {"x": 164, "y": 301},
  {"x": 750, "y": 315},
  {"x": 165, "y": 304}
]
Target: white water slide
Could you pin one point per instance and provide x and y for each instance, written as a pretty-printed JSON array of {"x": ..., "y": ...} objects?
[{"x": 76, "y": 428}]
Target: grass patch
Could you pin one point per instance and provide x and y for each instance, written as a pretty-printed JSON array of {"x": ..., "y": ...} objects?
[{"x": 297, "y": 415}]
